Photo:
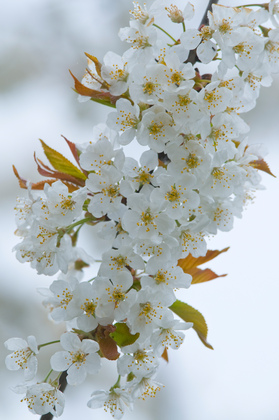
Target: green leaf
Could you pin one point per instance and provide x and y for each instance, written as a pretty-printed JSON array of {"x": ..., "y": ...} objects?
[
  {"x": 190, "y": 314},
  {"x": 122, "y": 335},
  {"x": 60, "y": 163}
]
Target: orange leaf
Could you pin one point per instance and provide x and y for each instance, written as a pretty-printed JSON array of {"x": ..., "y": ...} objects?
[
  {"x": 41, "y": 184},
  {"x": 98, "y": 65},
  {"x": 22, "y": 182},
  {"x": 164, "y": 355},
  {"x": 92, "y": 93},
  {"x": 201, "y": 276},
  {"x": 190, "y": 261},
  {"x": 261, "y": 165}
]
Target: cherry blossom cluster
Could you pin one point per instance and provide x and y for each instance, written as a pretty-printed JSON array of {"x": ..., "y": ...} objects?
[{"x": 195, "y": 172}]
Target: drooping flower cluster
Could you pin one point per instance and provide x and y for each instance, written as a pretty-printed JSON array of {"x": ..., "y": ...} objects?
[{"x": 195, "y": 172}]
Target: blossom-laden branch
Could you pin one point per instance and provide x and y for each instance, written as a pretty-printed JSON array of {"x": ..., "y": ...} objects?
[{"x": 196, "y": 172}]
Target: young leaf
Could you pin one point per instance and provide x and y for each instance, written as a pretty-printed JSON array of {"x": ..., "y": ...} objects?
[
  {"x": 122, "y": 335},
  {"x": 262, "y": 166},
  {"x": 164, "y": 355},
  {"x": 41, "y": 184},
  {"x": 190, "y": 261},
  {"x": 44, "y": 170},
  {"x": 201, "y": 276},
  {"x": 108, "y": 346},
  {"x": 104, "y": 98},
  {"x": 60, "y": 163},
  {"x": 190, "y": 314},
  {"x": 73, "y": 149},
  {"x": 98, "y": 65}
]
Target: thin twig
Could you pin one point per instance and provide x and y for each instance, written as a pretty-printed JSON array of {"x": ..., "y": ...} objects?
[{"x": 62, "y": 387}]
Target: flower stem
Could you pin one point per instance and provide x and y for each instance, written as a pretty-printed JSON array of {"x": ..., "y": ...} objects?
[
  {"x": 165, "y": 32},
  {"x": 79, "y": 222},
  {"x": 46, "y": 344},
  {"x": 117, "y": 383},
  {"x": 48, "y": 375}
]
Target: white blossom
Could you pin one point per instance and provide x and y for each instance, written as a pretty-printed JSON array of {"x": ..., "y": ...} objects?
[
  {"x": 79, "y": 358},
  {"x": 23, "y": 356},
  {"x": 43, "y": 398},
  {"x": 115, "y": 401}
]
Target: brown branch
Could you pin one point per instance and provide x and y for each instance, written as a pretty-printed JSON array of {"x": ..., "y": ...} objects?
[{"x": 62, "y": 387}]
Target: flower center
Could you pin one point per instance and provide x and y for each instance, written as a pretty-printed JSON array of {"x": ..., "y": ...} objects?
[
  {"x": 207, "y": 32},
  {"x": 192, "y": 161},
  {"x": 21, "y": 357},
  {"x": 155, "y": 129},
  {"x": 78, "y": 357},
  {"x": 120, "y": 261},
  {"x": 147, "y": 218},
  {"x": 65, "y": 299},
  {"x": 118, "y": 296},
  {"x": 149, "y": 88},
  {"x": 218, "y": 173},
  {"x": 184, "y": 100},
  {"x": 173, "y": 195},
  {"x": 89, "y": 308},
  {"x": 111, "y": 191},
  {"x": 225, "y": 27},
  {"x": 160, "y": 277},
  {"x": 144, "y": 177},
  {"x": 176, "y": 78},
  {"x": 67, "y": 204}
]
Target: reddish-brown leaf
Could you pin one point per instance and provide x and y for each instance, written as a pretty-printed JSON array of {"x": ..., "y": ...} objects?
[
  {"x": 73, "y": 149},
  {"x": 98, "y": 65},
  {"x": 44, "y": 170},
  {"x": 190, "y": 261},
  {"x": 261, "y": 165},
  {"x": 92, "y": 93},
  {"x": 41, "y": 184},
  {"x": 22, "y": 182},
  {"x": 108, "y": 346},
  {"x": 201, "y": 276},
  {"x": 165, "y": 355}
]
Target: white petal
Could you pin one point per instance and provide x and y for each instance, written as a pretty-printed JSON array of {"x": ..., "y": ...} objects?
[
  {"x": 59, "y": 361},
  {"x": 76, "y": 374},
  {"x": 15, "y": 344},
  {"x": 70, "y": 341},
  {"x": 93, "y": 363}
]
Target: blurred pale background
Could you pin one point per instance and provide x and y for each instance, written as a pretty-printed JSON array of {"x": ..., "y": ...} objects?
[{"x": 239, "y": 380}]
